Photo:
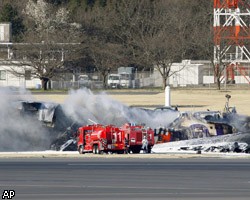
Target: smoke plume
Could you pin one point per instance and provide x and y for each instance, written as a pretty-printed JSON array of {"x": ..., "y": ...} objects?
[
  {"x": 83, "y": 105},
  {"x": 19, "y": 132}
]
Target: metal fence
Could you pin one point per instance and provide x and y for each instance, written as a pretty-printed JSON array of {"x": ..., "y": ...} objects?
[
  {"x": 95, "y": 81},
  {"x": 58, "y": 85}
]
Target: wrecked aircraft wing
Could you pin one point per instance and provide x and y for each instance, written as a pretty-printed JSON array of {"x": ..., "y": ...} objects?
[
  {"x": 223, "y": 144},
  {"x": 43, "y": 111},
  {"x": 50, "y": 114},
  {"x": 47, "y": 112},
  {"x": 51, "y": 117},
  {"x": 69, "y": 145}
]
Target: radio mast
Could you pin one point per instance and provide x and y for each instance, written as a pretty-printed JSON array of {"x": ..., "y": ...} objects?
[{"x": 232, "y": 37}]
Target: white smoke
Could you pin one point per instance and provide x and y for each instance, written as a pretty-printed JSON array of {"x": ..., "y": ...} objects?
[
  {"x": 19, "y": 132},
  {"x": 82, "y": 105}
]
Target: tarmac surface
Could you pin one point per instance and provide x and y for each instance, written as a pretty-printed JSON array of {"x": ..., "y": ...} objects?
[{"x": 125, "y": 178}]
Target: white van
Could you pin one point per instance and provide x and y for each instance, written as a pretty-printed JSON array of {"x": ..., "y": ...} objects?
[
  {"x": 114, "y": 81},
  {"x": 126, "y": 80}
]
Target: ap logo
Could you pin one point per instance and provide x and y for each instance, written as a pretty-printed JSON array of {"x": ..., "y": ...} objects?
[{"x": 8, "y": 194}]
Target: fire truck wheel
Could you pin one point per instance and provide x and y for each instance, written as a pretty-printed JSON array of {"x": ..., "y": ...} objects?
[
  {"x": 94, "y": 149},
  {"x": 136, "y": 150},
  {"x": 120, "y": 152},
  {"x": 80, "y": 150},
  {"x": 97, "y": 150}
]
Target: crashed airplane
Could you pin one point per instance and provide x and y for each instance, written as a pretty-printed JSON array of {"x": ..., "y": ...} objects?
[
  {"x": 207, "y": 128},
  {"x": 53, "y": 121},
  {"x": 34, "y": 125}
]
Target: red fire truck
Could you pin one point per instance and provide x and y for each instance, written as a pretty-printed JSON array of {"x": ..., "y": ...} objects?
[
  {"x": 134, "y": 135},
  {"x": 98, "y": 138}
]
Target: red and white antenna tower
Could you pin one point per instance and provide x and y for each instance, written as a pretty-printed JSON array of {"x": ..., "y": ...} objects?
[{"x": 232, "y": 36}]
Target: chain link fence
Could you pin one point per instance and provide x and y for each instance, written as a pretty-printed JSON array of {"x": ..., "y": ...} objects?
[{"x": 95, "y": 81}]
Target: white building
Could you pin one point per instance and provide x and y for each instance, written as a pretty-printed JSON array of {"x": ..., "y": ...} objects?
[
  {"x": 22, "y": 79},
  {"x": 198, "y": 73},
  {"x": 186, "y": 73},
  {"x": 5, "y": 32}
]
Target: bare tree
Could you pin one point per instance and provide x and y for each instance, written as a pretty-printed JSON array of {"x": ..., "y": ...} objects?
[
  {"x": 43, "y": 60},
  {"x": 205, "y": 44},
  {"x": 105, "y": 59},
  {"x": 106, "y": 52},
  {"x": 47, "y": 45},
  {"x": 154, "y": 32},
  {"x": 145, "y": 33},
  {"x": 203, "y": 39}
]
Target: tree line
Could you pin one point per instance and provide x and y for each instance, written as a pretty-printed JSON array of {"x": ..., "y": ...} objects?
[{"x": 106, "y": 34}]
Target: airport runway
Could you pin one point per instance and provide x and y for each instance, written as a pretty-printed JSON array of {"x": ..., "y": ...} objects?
[{"x": 125, "y": 178}]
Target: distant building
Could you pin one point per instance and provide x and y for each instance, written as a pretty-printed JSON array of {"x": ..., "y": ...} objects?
[
  {"x": 198, "y": 72},
  {"x": 24, "y": 79},
  {"x": 5, "y": 32}
]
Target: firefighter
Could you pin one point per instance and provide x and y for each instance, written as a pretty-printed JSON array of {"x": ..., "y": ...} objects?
[
  {"x": 126, "y": 146},
  {"x": 145, "y": 145}
]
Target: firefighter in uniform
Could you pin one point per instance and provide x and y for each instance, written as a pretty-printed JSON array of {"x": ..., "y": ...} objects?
[
  {"x": 126, "y": 146},
  {"x": 145, "y": 144}
]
